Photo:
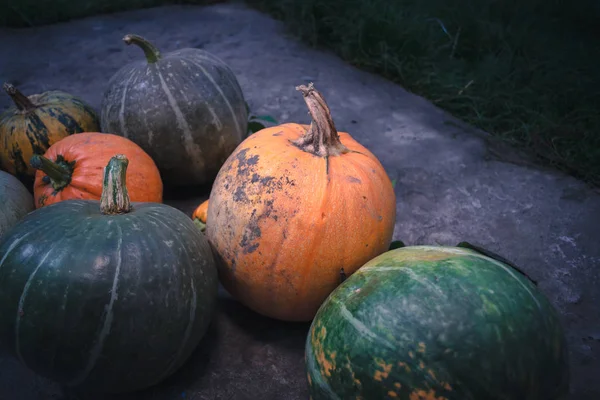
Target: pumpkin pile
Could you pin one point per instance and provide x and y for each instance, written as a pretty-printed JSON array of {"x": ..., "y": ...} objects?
[
  {"x": 106, "y": 289},
  {"x": 74, "y": 168},
  {"x": 89, "y": 279}
]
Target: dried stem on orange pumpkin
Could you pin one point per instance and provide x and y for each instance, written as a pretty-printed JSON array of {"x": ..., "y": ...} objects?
[
  {"x": 57, "y": 173},
  {"x": 21, "y": 101},
  {"x": 322, "y": 138},
  {"x": 115, "y": 198}
]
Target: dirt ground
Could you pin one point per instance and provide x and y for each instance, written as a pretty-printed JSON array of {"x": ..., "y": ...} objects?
[{"x": 453, "y": 184}]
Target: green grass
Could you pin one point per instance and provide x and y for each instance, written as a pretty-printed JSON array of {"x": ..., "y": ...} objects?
[{"x": 525, "y": 71}]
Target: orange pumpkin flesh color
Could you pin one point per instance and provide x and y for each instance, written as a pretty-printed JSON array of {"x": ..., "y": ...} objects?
[
  {"x": 73, "y": 168},
  {"x": 201, "y": 212},
  {"x": 199, "y": 216},
  {"x": 293, "y": 210}
]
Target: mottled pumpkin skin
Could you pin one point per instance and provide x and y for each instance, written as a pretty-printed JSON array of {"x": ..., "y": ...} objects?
[
  {"x": 186, "y": 110},
  {"x": 105, "y": 303},
  {"x": 15, "y": 201},
  {"x": 284, "y": 222},
  {"x": 25, "y": 133},
  {"x": 86, "y": 155},
  {"x": 437, "y": 323}
]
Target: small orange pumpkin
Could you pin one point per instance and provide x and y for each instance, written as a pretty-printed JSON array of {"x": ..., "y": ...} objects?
[
  {"x": 295, "y": 208},
  {"x": 200, "y": 214},
  {"x": 73, "y": 168}
]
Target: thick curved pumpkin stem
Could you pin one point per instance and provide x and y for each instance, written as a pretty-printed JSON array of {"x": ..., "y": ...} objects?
[
  {"x": 59, "y": 173},
  {"x": 115, "y": 199},
  {"x": 322, "y": 138},
  {"x": 150, "y": 51},
  {"x": 21, "y": 101}
]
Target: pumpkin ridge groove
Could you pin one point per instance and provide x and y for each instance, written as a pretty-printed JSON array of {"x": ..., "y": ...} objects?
[
  {"x": 215, "y": 118},
  {"x": 359, "y": 326},
  {"x": 37, "y": 131},
  {"x": 314, "y": 242},
  {"x": 122, "y": 103},
  {"x": 13, "y": 245},
  {"x": 190, "y": 326},
  {"x": 189, "y": 64},
  {"x": 16, "y": 155},
  {"x": 90, "y": 238},
  {"x": 189, "y": 144},
  {"x": 25, "y": 292},
  {"x": 512, "y": 274},
  {"x": 229, "y": 106},
  {"x": 216, "y": 61},
  {"x": 65, "y": 119},
  {"x": 108, "y": 318},
  {"x": 358, "y": 152},
  {"x": 58, "y": 342}
]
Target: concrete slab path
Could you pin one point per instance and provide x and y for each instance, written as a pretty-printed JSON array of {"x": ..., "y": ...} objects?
[{"x": 453, "y": 184}]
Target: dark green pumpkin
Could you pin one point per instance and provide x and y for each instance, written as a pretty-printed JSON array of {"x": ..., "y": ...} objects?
[
  {"x": 15, "y": 202},
  {"x": 35, "y": 123},
  {"x": 184, "y": 108},
  {"x": 437, "y": 323},
  {"x": 105, "y": 296}
]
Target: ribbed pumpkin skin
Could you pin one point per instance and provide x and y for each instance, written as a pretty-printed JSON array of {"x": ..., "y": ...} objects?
[
  {"x": 107, "y": 303},
  {"x": 15, "y": 201},
  {"x": 186, "y": 110},
  {"x": 23, "y": 134},
  {"x": 89, "y": 152},
  {"x": 285, "y": 222},
  {"x": 437, "y": 323}
]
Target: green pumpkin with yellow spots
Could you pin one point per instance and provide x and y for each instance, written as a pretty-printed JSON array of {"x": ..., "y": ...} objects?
[
  {"x": 35, "y": 123},
  {"x": 437, "y": 323}
]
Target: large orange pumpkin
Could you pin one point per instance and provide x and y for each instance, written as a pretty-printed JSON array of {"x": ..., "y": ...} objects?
[
  {"x": 293, "y": 210},
  {"x": 73, "y": 168}
]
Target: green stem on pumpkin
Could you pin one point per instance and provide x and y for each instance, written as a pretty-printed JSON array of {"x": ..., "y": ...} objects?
[
  {"x": 115, "y": 198},
  {"x": 322, "y": 138},
  {"x": 21, "y": 101},
  {"x": 150, "y": 51},
  {"x": 59, "y": 172}
]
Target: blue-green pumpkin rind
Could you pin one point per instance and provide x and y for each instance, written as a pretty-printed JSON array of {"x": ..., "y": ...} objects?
[
  {"x": 438, "y": 323},
  {"x": 108, "y": 303}
]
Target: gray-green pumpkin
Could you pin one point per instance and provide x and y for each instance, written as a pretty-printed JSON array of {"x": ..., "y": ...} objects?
[
  {"x": 15, "y": 201},
  {"x": 105, "y": 296},
  {"x": 184, "y": 108}
]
